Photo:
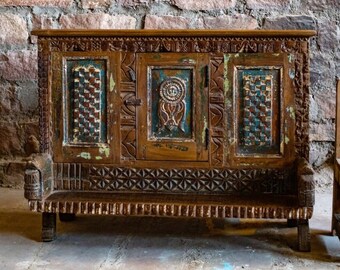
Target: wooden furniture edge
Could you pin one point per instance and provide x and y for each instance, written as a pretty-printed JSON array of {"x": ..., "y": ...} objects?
[{"x": 175, "y": 33}]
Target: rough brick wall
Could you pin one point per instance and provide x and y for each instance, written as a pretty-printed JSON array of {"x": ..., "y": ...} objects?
[{"x": 18, "y": 52}]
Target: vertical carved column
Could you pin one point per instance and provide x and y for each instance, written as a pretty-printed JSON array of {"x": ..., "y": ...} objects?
[
  {"x": 128, "y": 112},
  {"x": 216, "y": 110}
]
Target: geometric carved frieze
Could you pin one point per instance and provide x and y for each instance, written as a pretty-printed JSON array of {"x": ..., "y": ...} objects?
[{"x": 200, "y": 181}]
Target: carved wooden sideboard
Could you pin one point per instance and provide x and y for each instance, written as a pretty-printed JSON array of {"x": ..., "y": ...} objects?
[{"x": 204, "y": 124}]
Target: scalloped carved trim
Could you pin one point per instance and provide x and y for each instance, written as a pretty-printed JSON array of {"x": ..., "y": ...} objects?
[{"x": 172, "y": 210}]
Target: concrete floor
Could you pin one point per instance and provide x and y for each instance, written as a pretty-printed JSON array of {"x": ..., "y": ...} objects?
[{"x": 105, "y": 242}]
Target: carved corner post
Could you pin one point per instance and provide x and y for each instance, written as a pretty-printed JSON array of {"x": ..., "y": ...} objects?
[
  {"x": 306, "y": 198},
  {"x": 336, "y": 183},
  {"x": 38, "y": 184}
]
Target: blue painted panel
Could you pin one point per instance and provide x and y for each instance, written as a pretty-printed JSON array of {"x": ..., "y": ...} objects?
[
  {"x": 171, "y": 103},
  {"x": 86, "y": 97}
]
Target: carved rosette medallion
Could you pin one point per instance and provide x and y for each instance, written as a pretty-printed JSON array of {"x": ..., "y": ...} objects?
[{"x": 171, "y": 108}]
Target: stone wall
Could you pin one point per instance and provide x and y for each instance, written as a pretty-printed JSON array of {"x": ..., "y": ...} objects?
[{"x": 18, "y": 53}]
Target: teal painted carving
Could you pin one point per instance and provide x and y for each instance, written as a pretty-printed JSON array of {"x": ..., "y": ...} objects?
[
  {"x": 259, "y": 102},
  {"x": 86, "y": 81},
  {"x": 257, "y": 109},
  {"x": 171, "y": 103}
]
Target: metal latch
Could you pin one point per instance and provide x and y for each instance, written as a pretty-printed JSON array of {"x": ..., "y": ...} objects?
[
  {"x": 207, "y": 138},
  {"x": 133, "y": 102}
]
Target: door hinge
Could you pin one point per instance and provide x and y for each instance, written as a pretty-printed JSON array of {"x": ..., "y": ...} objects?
[{"x": 207, "y": 138}]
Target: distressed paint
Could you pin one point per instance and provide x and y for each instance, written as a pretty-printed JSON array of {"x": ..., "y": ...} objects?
[
  {"x": 286, "y": 139},
  {"x": 226, "y": 83},
  {"x": 98, "y": 158},
  {"x": 186, "y": 60},
  {"x": 84, "y": 155},
  {"x": 112, "y": 84},
  {"x": 104, "y": 149},
  {"x": 205, "y": 126},
  {"x": 291, "y": 58},
  {"x": 291, "y": 73},
  {"x": 291, "y": 112}
]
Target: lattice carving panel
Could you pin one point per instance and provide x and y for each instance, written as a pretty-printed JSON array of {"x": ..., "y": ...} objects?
[
  {"x": 87, "y": 104},
  {"x": 257, "y": 112}
]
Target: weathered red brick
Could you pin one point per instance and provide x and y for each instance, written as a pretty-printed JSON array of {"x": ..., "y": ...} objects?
[
  {"x": 18, "y": 100},
  {"x": 41, "y": 3},
  {"x": 95, "y": 3},
  {"x": 166, "y": 22},
  {"x": 13, "y": 29},
  {"x": 19, "y": 65},
  {"x": 97, "y": 21},
  {"x": 134, "y": 3},
  {"x": 204, "y": 4},
  {"x": 290, "y": 22},
  {"x": 319, "y": 4},
  {"x": 322, "y": 131},
  {"x": 322, "y": 68},
  {"x": 9, "y": 101},
  {"x": 43, "y": 22},
  {"x": 228, "y": 22},
  {"x": 10, "y": 142},
  {"x": 324, "y": 101},
  {"x": 327, "y": 35},
  {"x": 267, "y": 4}
]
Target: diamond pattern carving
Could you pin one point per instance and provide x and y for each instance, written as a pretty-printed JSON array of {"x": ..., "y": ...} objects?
[{"x": 187, "y": 180}]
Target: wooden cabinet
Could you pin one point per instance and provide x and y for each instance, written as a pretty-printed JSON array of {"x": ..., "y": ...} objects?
[{"x": 205, "y": 124}]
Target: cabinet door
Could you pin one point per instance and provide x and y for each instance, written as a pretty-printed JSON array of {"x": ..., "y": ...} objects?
[
  {"x": 84, "y": 107},
  {"x": 172, "y": 107},
  {"x": 261, "y": 108}
]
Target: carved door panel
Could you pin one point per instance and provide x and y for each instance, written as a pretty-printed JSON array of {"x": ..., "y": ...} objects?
[
  {"x": 172, "y": 109},
  {"x": 260, "y": 108},
  {"x": 85, "y": 117}
]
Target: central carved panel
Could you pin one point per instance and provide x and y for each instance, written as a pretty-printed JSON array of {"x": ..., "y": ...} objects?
[{"x": 171, "y": 103}]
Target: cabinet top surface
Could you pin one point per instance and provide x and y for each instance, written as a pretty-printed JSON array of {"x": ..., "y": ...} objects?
[{"x": 177, "y": 33}]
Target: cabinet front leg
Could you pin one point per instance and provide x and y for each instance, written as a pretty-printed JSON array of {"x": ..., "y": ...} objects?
[
  {"x": 48, "y": 227},
  {"x": 304, "y": 237}
]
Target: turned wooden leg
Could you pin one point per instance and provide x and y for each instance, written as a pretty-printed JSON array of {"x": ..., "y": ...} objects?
[
  {"x": 66, "y": 217},
  {"x": 303, "y": 235},
  {"x": 291, "y": 223},
  {"x": 48, "y": 227}
]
